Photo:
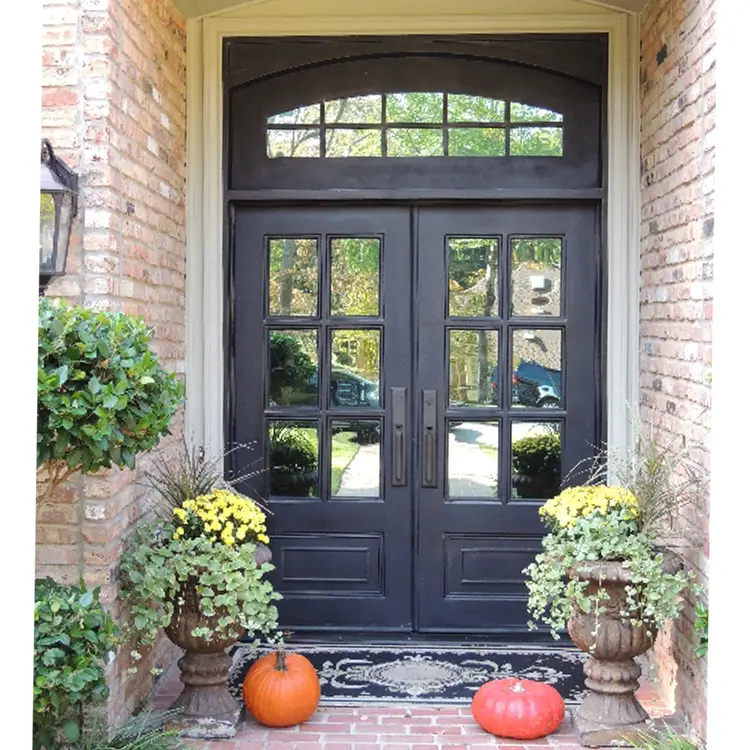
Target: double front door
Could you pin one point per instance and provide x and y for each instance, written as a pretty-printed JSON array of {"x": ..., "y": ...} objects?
[{"x": 414, "y": 381}]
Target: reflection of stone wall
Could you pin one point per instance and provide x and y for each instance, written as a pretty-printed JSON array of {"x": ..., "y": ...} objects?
[{"x": 546, "y": 347}]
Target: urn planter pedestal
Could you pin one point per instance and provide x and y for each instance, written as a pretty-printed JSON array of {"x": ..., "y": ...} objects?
[
  {"x": 207, "y": 708},
  {"x": 610, "y": 714}
]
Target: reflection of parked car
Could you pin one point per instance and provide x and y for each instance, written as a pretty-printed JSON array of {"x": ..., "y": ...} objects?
[
  {"x": 536, "y": 385},
  {"x": 349, "y": 389}
]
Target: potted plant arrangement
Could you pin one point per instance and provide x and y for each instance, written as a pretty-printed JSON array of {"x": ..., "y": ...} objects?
[
  {"x": 199, "y": 572},
  {"x": 536, "y": 465},
  {"x": 607, "y": 575}
]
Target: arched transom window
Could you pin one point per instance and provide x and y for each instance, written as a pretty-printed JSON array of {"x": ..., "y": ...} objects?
[{"x": 414, "y": 124}]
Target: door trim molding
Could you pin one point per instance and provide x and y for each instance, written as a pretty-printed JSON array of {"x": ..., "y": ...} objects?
[{"x": 206, "y": 203}]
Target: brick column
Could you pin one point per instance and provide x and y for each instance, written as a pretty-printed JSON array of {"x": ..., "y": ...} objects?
[
  {"x": 678, "y": 91},
  {"x": 113, "y": 106}
]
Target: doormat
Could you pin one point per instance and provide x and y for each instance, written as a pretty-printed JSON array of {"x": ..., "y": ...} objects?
[{"x": 431, "y": 675}]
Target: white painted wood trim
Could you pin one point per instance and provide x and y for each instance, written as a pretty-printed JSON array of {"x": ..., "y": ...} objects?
[
  {"x": 205, "y": 237},
  {"x": 194, "y": 380}
]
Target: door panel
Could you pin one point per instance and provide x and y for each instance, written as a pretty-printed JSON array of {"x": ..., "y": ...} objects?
[
  {"x": 506, "y": 343},
  {"x": 319, "y": 345}
]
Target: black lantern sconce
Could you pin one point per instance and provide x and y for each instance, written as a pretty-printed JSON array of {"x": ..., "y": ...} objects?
[{"x": 58, "y": 208}]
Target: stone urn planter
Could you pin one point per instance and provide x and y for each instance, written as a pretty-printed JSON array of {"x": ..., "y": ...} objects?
[
  {"x": 610, "y": 714},
  {"x": 207, "y": 708}
]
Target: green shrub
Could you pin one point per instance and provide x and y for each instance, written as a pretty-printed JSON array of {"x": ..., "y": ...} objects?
[
  {"x": 290, "y": 367},
  {"x": 701, "y": 629},
  {"x": 538, "y": 454},
  {"x": 103, "y": 397},
  {"x": 292, "y": 452},
  {"x": 73, "y": 635}
]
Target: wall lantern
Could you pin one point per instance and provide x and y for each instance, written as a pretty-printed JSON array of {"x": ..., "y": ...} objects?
[{"x": 58, "y": 207}]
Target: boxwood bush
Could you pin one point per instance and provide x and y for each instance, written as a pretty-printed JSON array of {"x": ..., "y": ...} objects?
[{"x": 103, "y": 396}]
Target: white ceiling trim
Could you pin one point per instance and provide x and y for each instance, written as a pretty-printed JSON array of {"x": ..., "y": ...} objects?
[{"x": 205, "y": 8}]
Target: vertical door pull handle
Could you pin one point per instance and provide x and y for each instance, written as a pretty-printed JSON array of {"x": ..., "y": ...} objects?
[
  {"x": 398, "y": 434},
  {"x": 429, "y": 438}
]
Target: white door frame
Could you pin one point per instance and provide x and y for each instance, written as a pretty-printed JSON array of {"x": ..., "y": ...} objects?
[{"x": 205, "y": 200}]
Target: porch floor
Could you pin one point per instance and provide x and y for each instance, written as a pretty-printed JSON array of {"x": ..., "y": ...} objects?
[{"x": 372, "y": 727}]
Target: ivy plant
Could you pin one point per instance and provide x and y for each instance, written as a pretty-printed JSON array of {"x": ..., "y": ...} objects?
[
  {"x": 103, "y": 397},
  {"x": 589, "y": 524},
  {"x": 202, "y": 557},
  {"x": 73, "y": 635}
]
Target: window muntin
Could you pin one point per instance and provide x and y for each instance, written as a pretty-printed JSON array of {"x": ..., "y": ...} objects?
[{"x": 414, "y": 125}]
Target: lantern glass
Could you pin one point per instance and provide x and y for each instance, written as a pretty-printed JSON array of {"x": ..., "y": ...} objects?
[
  {"x": 64, "y": 206},
  {"x": 47, "y": 218}
]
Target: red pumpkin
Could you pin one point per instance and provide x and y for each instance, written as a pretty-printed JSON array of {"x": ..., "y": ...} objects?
[
  {"x": 518, "y": 709},
  {"x": 281, "y": 689}
]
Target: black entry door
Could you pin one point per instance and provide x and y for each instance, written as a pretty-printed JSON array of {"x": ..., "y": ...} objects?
[
  {"x": 506, "y": 382},
  {"x": 322, "y": 345},
  {"x": 420, "y": 379}
]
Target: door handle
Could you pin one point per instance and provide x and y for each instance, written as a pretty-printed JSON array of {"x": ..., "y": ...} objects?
[
  {"x": 398, "y": 434},
  {"x": 429, "y": 438}
]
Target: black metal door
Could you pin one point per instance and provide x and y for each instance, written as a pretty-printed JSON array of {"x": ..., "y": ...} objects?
[
  {"x": 322, "y": 364},
  {"x": 506, "y": 379},
  {"x": 391, "y": 361}
]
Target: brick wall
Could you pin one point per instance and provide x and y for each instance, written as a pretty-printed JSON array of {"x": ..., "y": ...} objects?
[
  {"x": 677, "y": 181},
  {"x": 113, "y": 106}
]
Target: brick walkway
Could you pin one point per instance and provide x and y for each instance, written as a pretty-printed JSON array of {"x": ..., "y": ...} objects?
[{"x": 387, "y": 727}]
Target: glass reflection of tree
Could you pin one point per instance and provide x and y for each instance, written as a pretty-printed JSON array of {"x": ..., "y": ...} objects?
[
  {"x": 355, "y": 275},
  {"x": 473, "y": 293},
  {"x": 293, "y": 278}
]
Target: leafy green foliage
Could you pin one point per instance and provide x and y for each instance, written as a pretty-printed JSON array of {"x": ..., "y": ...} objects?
[
  {"x": 701, "y": 629},
  {"x": 652, "y": 598},
  {"x": 103, "y": 397},
  {"x": 291, "y": 451},
  {"x": 290, "y": 366},
  {"x": 537, "y": 454},
  {"x": 160, "y": 571},
  {"x": 72, "y": 637}
]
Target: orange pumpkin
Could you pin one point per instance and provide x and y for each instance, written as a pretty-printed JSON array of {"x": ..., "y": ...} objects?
[
  {"x": 281, "y": 689},
  {"x": 518, "y": 709}
]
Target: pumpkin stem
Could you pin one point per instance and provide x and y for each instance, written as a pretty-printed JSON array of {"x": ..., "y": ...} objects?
[{"x": 280, "y": 660}]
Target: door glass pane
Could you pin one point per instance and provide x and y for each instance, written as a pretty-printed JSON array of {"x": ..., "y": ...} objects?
[
  {"x": 535, "y": 275},
  {"x": 472, "y": 277},
  {"x": 363, "y": 110},
  {"x": 355, "y": 368},
  {"x": 355, "y": 458},
  {"x": 299, "y": 143},
  {"x": 528, "y": 113},
  {"x": 536, "y": 142},
  {"x": 343, "y": 142},
  {"x": 355, "y": 276},
  {"x": 414, "y": 107},
  {"x": 293, "y": 368},
  {"x": 414, "y": 142},
  {"x": 476, "y": 142},
  {"x": 468, "y": 108},
  {"x": 472, "y": 459},
  {"x": 307, "y": 115},
  {"x": 537, "y": 369},
  {"x": 535, "y": 459},
  {"x": 473, "y": 368},
  {"x": 293, "y": 458},
  {"x": 293, "y": 276}
]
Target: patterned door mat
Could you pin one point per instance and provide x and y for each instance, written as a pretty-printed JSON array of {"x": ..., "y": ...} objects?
[{"x": 432, "y": 675}]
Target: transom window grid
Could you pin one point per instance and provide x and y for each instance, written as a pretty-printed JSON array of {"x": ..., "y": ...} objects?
[
  {"x": 507, "y": 418},
  {"x": 513, "y": 129}
]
